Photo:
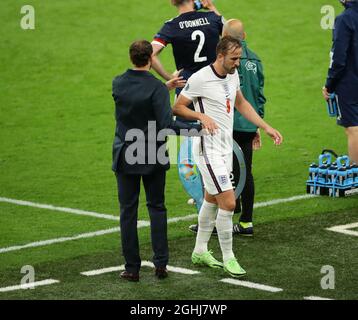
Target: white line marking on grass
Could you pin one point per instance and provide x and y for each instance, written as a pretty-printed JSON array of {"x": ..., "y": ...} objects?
[
  {"x": 141, "y": 224},
  {"x": 345, "y": 229},
  {"x": 116, "y": 218},
  {"x": 102, "y": 271},
  {"x": 278, "y": 201},
  {"x": 62, "y": 209},
  {"x": 184, "y": 218},
  {"x": 251, "y": 285},
  {"x": 144, "y": 264},
  {"x": 171, "y": 268},
  {"x": 316, "y": 298},
  {"x": 29, "y": 285},
  {"x": 59, "y": 240}
]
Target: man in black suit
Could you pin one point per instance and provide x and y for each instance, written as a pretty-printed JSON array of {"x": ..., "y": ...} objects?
[{"x": 143, "y": 110}]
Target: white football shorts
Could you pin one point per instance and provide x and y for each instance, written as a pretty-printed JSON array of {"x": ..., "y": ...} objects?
[{"x": 216, "y": 171}]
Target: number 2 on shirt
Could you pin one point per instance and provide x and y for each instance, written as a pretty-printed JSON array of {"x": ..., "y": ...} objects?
[{"x": 201, "y": 35}]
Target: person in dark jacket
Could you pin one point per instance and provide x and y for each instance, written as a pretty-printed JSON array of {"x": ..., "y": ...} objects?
[
  {"x": 343, "y": 73},
  {"x": 143, "y": 111}
]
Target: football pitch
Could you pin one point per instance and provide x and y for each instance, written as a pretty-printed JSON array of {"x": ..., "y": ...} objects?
[{"x": 59, "y": 214}]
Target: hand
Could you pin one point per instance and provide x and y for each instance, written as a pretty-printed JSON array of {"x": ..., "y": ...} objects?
[
  {"x": 207, "y": 4},
  {"x": 256, "y": 143},
  {"x": 177, "y": 73},
  {"x": 325, "y": 93},
  {"x": 208, "y": 124},
  {"x": 176, "y": 82},
  {"x": 275, "y": 135}
]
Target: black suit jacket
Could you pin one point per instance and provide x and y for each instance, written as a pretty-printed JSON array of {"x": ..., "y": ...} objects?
[{"x": 143, "y": 108}]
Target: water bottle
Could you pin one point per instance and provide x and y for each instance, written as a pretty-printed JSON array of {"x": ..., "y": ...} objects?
[
  {"x": 350, "y": 177},
  {"x": 341, "y": 176},
  {"x": 322, "y": 180},
  {"x": 332, "y": 173},
  {"x": 355, "y": 174},
  {"x": 313, "y": 171},
  {"x": 342, "y": 173},
  {"x": 198, "y": 5},
  {"x": 332, "y": 105}
]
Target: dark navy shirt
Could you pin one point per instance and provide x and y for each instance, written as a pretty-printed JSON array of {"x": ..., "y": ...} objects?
[
  {"x": 194, "y": 36},
  {"x": 343, "y": 73}
]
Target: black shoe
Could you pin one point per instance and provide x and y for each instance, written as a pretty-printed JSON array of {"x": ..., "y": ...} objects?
[
  {"x": 161, "y": 273},
  {"x": 130, "y": 276},
  {"x": 239, "y": 229},
  {"x": 194, "y": 228}
]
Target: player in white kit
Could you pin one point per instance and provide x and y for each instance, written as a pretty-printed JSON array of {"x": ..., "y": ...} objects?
[{"x": 215, "y": 91}]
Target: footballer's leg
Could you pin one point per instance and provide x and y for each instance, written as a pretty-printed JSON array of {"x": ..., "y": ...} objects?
[
  {"x": 206, "y": 223},
  {"x": 352, "y": 134},
  {"x": 227, "y": 202}
]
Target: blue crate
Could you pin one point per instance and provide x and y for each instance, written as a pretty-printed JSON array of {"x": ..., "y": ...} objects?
[{"x": 335, "y": 179}]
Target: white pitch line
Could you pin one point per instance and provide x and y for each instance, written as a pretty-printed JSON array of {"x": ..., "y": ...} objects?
[
  {"x": 252, "y": 285},
  {"x": 102, "y": 271},
  {"x": 29, "y": 285},
  {"x": 345, "y": 229},
  {"x": 316, "y": 298},
  {"x": 97, "y": 272},
  {"x": 61, "y": 209},
  {"x": 172, "y": 269},
  {"x": 59, "y": 240},
  {"x": 141, "y": 224},
  {"x": 116, "y": 218},
  {"x": 284, "y": 200}
]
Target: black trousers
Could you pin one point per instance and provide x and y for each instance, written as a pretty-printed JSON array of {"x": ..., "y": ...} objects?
[
  {"x": 128, "y": 195},
  {"x": 245, "y": 203}
]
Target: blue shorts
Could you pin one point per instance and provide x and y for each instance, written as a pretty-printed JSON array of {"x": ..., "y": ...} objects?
[{"x": 347, "y": 113}]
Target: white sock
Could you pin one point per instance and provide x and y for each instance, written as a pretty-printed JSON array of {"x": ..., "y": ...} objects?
[
  {"x": 224, "y": 228},
  {"x": 206, "y": 224}
]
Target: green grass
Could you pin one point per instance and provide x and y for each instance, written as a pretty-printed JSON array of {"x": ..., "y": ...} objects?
[
  {"x": 282, "y": 255},
  {"x": 56, "y": 131},
  {"x": 24, "y": 224}
]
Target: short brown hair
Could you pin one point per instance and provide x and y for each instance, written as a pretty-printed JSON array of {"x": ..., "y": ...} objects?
[
  {"x": 179, "y": 2},
  {"x": 140, "y": 52},
  {"x": 226, "y": 44}
]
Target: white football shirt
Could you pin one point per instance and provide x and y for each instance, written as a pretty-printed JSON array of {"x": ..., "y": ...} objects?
[{"x": 215, "y": 96}]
